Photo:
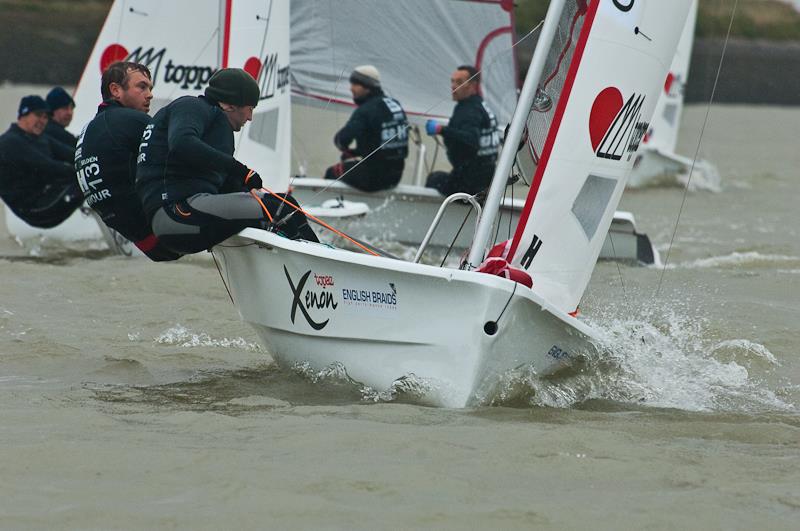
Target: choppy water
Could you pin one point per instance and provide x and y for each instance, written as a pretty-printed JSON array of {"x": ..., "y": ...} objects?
[{"x": 133, "y": 397}]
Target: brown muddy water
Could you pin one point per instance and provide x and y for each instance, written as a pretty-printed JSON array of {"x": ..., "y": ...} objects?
[{"x": 133, "y": 397}]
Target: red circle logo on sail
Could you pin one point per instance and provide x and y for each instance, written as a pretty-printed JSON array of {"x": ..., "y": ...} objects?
[
  {"x": 112, "y": 54},
  {"x": 253, "y": 67},
  {"x": 668, "y": 83},
  {"x": 605, "y": 108}
]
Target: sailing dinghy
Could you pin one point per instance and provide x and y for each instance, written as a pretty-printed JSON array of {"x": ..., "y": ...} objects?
[
  {"x": 657, "y": 161},
  {"x": 458, "y": 331}
]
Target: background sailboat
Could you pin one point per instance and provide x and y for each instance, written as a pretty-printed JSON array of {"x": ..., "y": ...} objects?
[
  {"x": 657, "y": 161},
  {"x": 416, "y": 45}
]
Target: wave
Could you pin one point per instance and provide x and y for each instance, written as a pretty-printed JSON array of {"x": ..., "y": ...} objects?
[
  {"x": 663, "y": 359},
  {"x": 752, "y": 258},
  {"x": 182, "y": 336}
]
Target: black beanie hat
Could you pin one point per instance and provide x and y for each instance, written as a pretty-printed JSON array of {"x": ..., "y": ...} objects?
[
  {"x": 30, "y": 104},
  {"x": 233, "y": 86},
  {"x": 58, "y": 98}
]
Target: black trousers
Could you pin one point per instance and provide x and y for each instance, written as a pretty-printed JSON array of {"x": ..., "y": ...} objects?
[
  {"x": 472, "y": 180},
  {"x": 372, "y": 175},
  {"x": 53, "y": 205},
  {"x": 124, "y": 214},
  {"x": 202, "y": 221}
]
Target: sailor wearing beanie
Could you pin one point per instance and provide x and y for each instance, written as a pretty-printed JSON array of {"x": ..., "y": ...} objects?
[
  {"x": 192, "y": 188},
  {"x": 61, "y": 109},
  {"x": 379, "y": 128},
  {"x": 36, "y": 178}
]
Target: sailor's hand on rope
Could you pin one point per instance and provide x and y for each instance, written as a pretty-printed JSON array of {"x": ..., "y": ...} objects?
[
  {"x": 252, "y": 181},
  {"x": 433, "y": 127},
  {"x": 249, "y": 178}
]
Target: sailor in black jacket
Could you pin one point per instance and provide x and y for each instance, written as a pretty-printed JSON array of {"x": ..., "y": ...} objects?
[
  {"x": 470, "y": 137},
  {"x": 36, "y": 178},
  {"x": 190, "y": 184},
  {"x": 61, "y": 110},
  {"x": 105, "y": 160},
  {"x": 380, "y": 130}
]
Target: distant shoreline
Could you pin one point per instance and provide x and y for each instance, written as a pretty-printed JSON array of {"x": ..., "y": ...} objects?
[{"x": 754, "y": 72}]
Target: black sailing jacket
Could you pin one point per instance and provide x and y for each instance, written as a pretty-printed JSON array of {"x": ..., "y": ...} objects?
[
  {"x": 186, "y": 149},
  {"x": 27, "y": 164},
  {"x": 378, "y": 122},
  {"x": 105, "y": 162}
]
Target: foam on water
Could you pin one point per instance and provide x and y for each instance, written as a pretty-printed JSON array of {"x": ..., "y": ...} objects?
[
  {"x": 704, "y": 176},
  {"x": 736, "y": 259},
  {"x": 184, "y": 337},
  {"x": 660, "y": 358}
]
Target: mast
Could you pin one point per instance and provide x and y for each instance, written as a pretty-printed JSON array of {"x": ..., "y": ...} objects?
[{"x": 509, "y": 152}]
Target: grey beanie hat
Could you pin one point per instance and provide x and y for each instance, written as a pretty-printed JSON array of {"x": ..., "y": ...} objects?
[
  {"x": 233, "y": 86},
  {"x": 366, "y": 76}
]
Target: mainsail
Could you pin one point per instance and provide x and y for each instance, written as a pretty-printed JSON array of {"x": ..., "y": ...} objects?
[
  {"x": 416, "y": 44},
  {"x": 583, "y": 129},
  {"x": 663, "y": 132},
  {"x": 146, "y": 31}
]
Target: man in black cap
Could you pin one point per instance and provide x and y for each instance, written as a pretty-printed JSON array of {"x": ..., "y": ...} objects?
[
  {"x": 108, "y": 147},
  {"x": 193, "y": 190},
  {"x": 61, "y": 108},
  {"x": 36, "y": 177},
  {"x": 470, "y": 137},
  {"x": 380, "y": 130}
]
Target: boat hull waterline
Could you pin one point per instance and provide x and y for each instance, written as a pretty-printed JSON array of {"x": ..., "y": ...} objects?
[{"x": 387, "y": 320}]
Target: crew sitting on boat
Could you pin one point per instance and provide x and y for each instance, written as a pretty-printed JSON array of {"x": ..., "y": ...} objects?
[
  {"x": 380, "y": 130},
  {"x": 62, "y": 107},
  {"x": 36, "y": 177},
  {"x": 105, "y": 160},
  {"x": 193, "y": 190},
  {"x": 470, "y": 138}
]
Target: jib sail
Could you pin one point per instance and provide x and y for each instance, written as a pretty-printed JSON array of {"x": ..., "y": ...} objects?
[{"x": 604, "y": 73}]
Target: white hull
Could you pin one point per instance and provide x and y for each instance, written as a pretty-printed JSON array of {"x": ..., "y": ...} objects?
[
  {"x": 404, "y": 214},
  {"x": 655, "y": 167},
  {"x": 407, "y": 327},
  {"x": 82, "y": 226}
]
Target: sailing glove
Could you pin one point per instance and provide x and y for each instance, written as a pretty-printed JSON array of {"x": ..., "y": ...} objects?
[
  {"x": 433, "y": 127},
  {"x": 252, "y": 181},
  {"x": 249, "y": 178}
]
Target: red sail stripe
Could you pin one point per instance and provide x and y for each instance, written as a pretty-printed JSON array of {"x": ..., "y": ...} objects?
[{"x": 551, "y": 135}]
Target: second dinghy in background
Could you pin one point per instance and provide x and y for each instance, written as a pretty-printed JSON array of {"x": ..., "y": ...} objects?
[{"x": 436, "y": 36}]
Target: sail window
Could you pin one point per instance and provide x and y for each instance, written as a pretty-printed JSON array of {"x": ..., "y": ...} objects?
[
  {"x": 264, "y": 128},
  {"x": 591, "y": 203},
  {"x": 670, "y": 113}
]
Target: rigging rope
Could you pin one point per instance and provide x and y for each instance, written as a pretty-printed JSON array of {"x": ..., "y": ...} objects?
[{"x": 697, "y": 150}]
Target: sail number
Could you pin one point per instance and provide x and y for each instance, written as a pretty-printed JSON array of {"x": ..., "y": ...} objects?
[
  {"x": 622, "y": 6},
  {"x": 558, "y": 353}
]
